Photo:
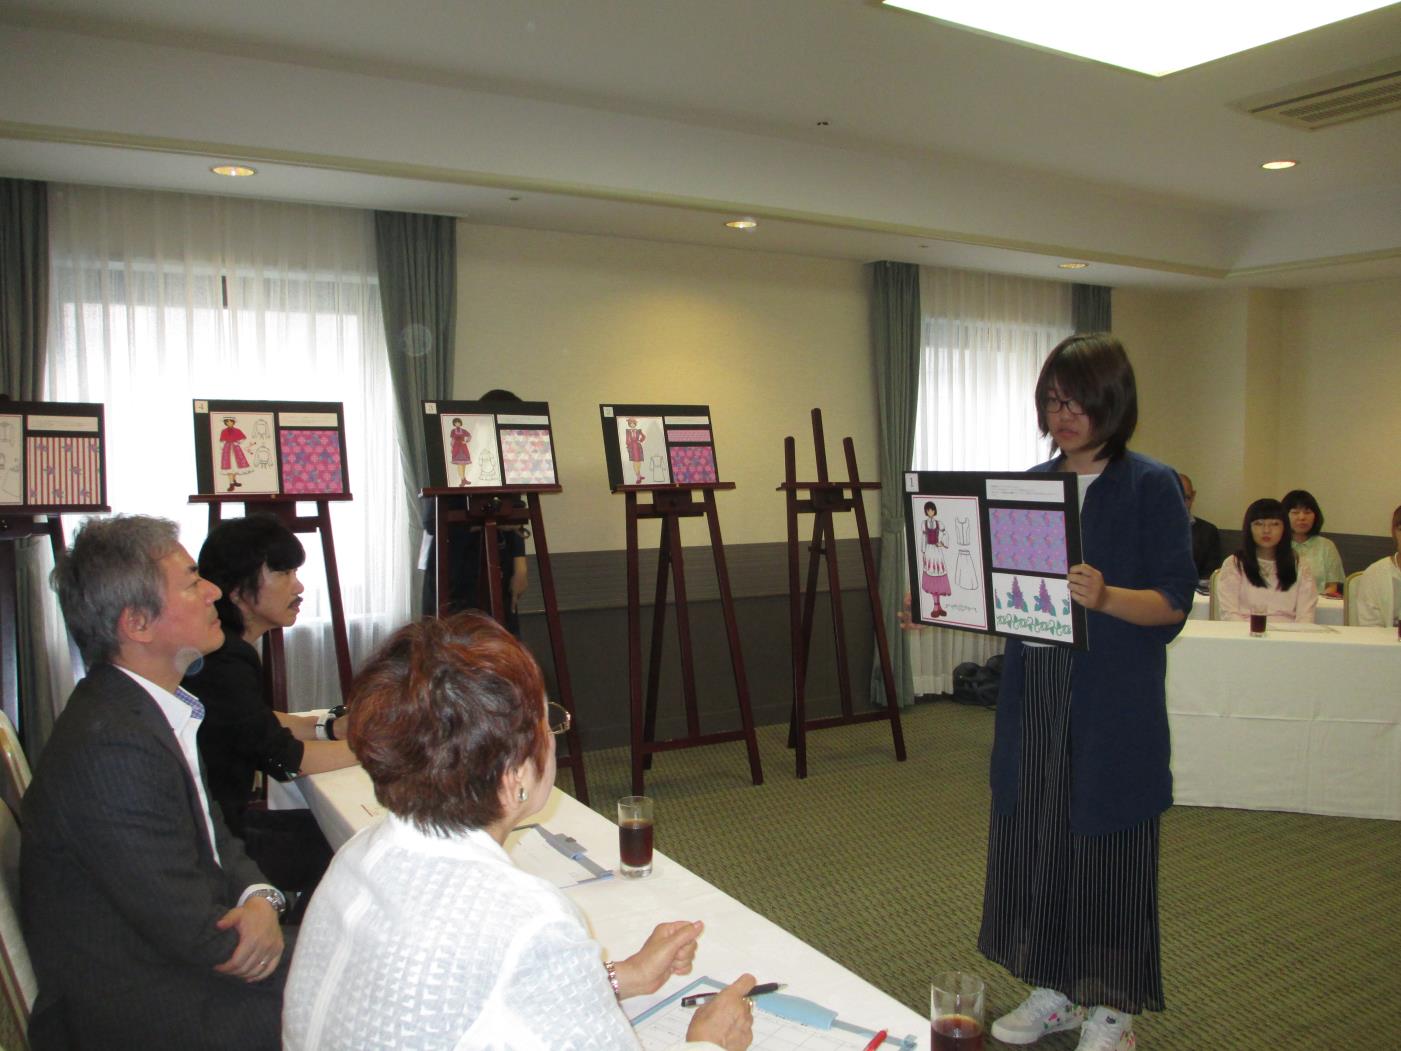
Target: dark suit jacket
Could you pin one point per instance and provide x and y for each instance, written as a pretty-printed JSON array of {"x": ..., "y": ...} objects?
[
  {"x": 120, "y": 891},
  {"x": 1206, "y": 547}
]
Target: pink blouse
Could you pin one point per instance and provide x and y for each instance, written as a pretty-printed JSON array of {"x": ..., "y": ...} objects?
[{"x": 1237, "y": 597}]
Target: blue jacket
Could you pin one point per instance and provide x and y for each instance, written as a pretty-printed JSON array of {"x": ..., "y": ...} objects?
[{"x": 1136, "y": 532}]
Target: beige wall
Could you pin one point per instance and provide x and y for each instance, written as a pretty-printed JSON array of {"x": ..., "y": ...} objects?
[
  {"x": 1340, "y": 426},
  {"x": 1253, "y": 392},
  {"x": 762, "y": 339}
]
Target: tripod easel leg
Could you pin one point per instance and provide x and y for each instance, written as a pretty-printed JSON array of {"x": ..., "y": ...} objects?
[
  {"x": 727, "y": 606},
  {"x": 654, "y": 666},
  {"x": 634, "y": 646}
]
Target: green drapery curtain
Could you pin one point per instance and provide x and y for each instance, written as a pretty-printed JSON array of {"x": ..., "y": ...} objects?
[
  {"x": 895, "y": 343},
  {"x": 1090, "y": 309},
  {"x": 24, "y": 286},
  {"x": 24, "y": 319},
  {"x": 417, "y": 257}
]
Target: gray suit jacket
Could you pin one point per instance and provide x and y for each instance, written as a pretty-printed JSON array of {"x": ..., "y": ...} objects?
[{"x": 120, "y": 891}]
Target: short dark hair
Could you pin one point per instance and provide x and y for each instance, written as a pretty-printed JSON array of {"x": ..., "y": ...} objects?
[
  {"x": 1286, "y": 562},
  {"x": 1094, "y": 370},
  {"x": 112, "y": 566},
  {"x": 441, "y": 713},
  {"x": 500, "y": 394},
  {"x": 1303, "y": 498},
  {"x": 929, "y": 506},
  {"x": 233, "y": 557}
]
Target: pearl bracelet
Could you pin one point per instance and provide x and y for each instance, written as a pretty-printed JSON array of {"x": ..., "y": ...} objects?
[{"x": 612, "y": 970}]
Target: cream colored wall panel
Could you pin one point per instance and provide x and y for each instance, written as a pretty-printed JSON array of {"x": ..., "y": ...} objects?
[{"x": 577, "y": 320}]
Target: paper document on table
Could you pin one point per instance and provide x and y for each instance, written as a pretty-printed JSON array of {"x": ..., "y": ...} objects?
[
  {"x": 663, "y": 1026},
  {"x": 1303, "y": 629},
  {"x": 553, "y": 856}
]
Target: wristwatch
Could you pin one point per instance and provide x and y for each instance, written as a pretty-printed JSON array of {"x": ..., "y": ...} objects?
[
  {"x": 323, "y": 725},
  {"x": 273, "y": 897}
]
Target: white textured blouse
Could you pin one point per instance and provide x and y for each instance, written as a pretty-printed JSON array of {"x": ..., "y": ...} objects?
[{"x": 422, "y": 942}]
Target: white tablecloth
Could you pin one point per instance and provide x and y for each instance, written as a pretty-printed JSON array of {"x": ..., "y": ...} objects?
[
  {"x": 1300, "y": 720},
  {"x": 623, "y": 912},
  {"x": 1329, "y": 611}
]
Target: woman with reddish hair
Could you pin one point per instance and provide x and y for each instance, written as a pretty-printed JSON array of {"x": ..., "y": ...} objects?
[{"x": 423, "y": 933}]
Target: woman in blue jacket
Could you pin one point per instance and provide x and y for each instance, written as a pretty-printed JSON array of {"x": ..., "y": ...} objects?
[{"x": 1080, "y": 755}]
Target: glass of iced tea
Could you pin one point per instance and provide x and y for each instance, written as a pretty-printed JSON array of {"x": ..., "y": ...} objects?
[
  {"x": 1257, "y": 620},
  {"x": 956, "y": 1013},
  {"x": 635, "y": 824}
]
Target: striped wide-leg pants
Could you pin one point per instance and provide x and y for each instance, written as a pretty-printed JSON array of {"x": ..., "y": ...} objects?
[{"x": 1078, "y": 914}]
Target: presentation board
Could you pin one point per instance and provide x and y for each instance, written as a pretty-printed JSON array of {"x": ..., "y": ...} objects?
[
  {"x": 990, "y": 552},
  {"x": 279, "y": 448}
]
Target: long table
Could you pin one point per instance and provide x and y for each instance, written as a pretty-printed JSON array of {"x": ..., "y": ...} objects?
[
  {"x": 1328, "y": 611},
  {"x": 1305, "y": 719},
  {"x": 622, "y": 913}
]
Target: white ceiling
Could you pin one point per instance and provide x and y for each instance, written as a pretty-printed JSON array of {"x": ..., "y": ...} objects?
[{"x": 660, "y": 118}]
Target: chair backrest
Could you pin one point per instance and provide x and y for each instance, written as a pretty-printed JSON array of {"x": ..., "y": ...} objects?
[
  {"x": 1350, "y": 598},
  {"x": 13, "y": 765},
  {"x": 1214, "y": 609},
  {"x": 16, "y": 970}
]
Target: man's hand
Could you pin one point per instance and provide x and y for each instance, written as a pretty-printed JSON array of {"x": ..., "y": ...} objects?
[{"x": 259, "y": 940}]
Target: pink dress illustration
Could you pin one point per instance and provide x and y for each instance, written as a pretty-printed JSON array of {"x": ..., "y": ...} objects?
[
  {"x": 461, "y": 455},
  {"x": 231, "y": 457},
  {"x": 634, "y": 439},
  {"x": 934, "y": 575}
]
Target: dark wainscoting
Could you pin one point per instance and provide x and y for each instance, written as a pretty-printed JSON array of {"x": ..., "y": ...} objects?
[{"x": 592, "y": 590}]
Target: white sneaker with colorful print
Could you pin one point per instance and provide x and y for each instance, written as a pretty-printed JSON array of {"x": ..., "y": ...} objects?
[
  {"x": 1107, "y": 1030},
  {"x": 1044, "y": 1011}
]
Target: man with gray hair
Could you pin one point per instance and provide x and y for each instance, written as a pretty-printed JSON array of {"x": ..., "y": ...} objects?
[{"x": 148, "y": 925}]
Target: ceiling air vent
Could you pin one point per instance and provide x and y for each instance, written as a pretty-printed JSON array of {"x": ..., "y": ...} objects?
[{"x": 1342, "y": 97}]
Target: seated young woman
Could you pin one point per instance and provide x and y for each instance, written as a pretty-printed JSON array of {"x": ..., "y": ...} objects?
[
  {"x": 423, "y": 934},
  {"x": 1379, "y": 586},
  {"x": 1264, "y": 575},
  {"x": 1317, "y": 552}
]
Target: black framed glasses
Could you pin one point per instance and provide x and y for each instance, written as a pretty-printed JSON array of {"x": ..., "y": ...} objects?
[
  {"x": 1050, "y": 403},
  {"x": 558, "y": 717}
]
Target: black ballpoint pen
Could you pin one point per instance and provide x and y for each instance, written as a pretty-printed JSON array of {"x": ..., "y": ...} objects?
[{"x": 758, "y": 990}]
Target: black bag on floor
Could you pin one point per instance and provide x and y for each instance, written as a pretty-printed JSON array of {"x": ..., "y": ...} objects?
[{"x": 978, "y": 685}]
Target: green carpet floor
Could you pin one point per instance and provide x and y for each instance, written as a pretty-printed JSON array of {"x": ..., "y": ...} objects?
[{"x": 1280, "y": 931}]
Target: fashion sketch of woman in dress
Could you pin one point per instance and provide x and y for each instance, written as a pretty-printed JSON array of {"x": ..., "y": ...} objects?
[
  {"x": 934, "y": 578},
  {"x": 634, "y": 438},
  {"x": 461, "y": 454},
  {"x": 232, "y": 458}
]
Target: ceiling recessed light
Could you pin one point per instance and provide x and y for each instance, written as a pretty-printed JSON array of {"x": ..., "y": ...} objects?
[
  {"x": 1278, "y": 166},
  {"x": 236, "y": 171},
  {"x": 1187, "y": 34},
  {"x": 741, "y": 224},
  {"x": 1072, "y": 266}
]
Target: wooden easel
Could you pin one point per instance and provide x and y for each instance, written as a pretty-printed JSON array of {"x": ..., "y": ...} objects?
[
  {"x": 13, "y": 529},
  {"x": 284, "y": 509},
  {"x": 824, "y": 498},
  {"x": 489, "y": 509},
  {"x": 670, "y": 504}
]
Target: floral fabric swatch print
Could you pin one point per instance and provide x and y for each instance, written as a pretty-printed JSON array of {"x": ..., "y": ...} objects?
[
  {"x": 526, "y": 456},
  {"x": 1028, "y": 539},
  {"x": 63, "y": 470},
  {"x": 692, "y": 463},
  {"x": 311, "y": 462}
]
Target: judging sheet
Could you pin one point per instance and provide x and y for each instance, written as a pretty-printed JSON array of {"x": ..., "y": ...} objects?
[{"x": 663, "y": 1026}]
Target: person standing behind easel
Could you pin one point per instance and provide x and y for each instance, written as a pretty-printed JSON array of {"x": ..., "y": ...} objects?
[{"x": 465, "y": 559}]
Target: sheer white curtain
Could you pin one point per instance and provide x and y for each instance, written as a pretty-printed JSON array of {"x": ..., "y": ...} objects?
[
  {"x": 157, "y": 299},
  {"x": 984, "y": 339}
]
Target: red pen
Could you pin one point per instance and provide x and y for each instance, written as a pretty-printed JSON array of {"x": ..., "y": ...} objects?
[{"x": 876, "y": 1040}]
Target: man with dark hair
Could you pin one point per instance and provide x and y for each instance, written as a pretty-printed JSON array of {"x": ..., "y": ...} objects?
[
  {"x": 1206, "y": 538},
  {"x": 254, "y": 562},
  {"x": 148, "y": 925}
]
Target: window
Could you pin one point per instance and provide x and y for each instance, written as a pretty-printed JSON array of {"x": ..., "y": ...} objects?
[{"x": 157, "y": 299}]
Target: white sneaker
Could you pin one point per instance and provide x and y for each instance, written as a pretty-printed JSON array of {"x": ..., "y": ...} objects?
[
  {"x": 1044, "y": 1011},
  {"x": 1107, "y": 1030}
]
